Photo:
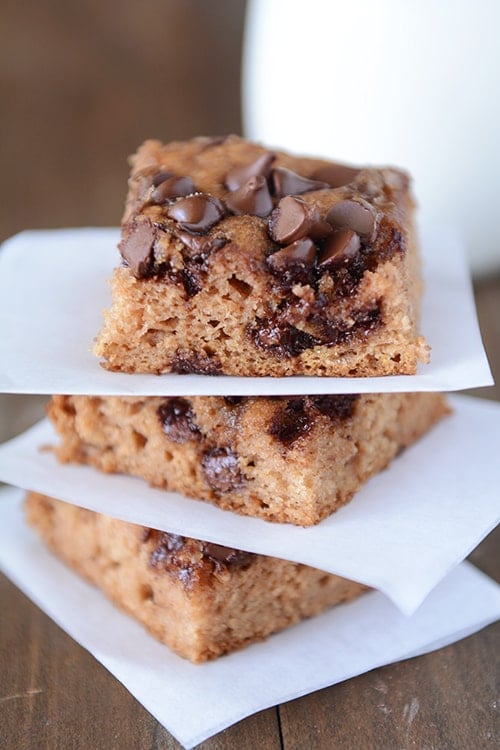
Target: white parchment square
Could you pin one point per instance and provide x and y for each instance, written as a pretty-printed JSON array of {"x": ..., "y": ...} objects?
[
  {"x": 53, "y": 288},
  {"x": 193, "y": 701},
  {"x": 401, "y": 533}
]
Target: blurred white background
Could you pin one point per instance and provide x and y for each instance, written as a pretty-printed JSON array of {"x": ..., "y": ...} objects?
[{"x": 413, "y": 83}]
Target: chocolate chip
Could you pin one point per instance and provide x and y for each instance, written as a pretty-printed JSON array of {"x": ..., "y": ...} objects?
[
  {"x": 221, "y": 469},
  {"x": 366, "y": 318},
  {"x": 226, "y": 555},
  {"x": 177, "y": 420},
  {"x": 218, "y": 552},
  {"x": 297, "y": 417},
  {"x": 338, "y": 408},
  {"x": 340, "y": 248},
  {"x": 390, "y": 242},
  {"x": 141, "y": 183},
  {"x": 234, "y": 400},
  {"x": 280, "y": 338},
  {"x": 192, "y": 560},
  {"x": 172, "y": 187},
  {"x": 285, "y": 182},
  {"x": 166, "y": 546},
  {"x": 192, "y": 280},
  {"x": 200, "y": 244},
  {"x": 293, "y": 263},
  {"x": 196, "y": 364},
  {"x": 357, "y": 215},
  {"x": 197, "y": 213},
  {"x": 161, "y": 176},
  {"x": 336, "y": 175},
  {"x": 195, "y": 255},
  {"x": 251, "y": 198},
  {"x": 293, "y": 219},
  {"x": 337, "y": 331},
  {"x": 238, "y": 176},
  {"x": 291, "y": 422},
  {"x": 145, "y": 534},
  {"x": 136, "y": 249},
  {"x": 302, "y": 251}
]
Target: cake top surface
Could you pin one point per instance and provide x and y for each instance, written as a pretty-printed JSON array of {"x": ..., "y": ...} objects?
[{"x": 207, "y": 192}]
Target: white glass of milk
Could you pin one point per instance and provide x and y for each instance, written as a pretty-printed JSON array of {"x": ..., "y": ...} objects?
[{"x": 413, "y": 83}]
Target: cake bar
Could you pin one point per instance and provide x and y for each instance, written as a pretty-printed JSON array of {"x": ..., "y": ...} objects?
[
  {"x": 241, "y": 260},
  {"x": 286, "y": 459},
  {"x": 200, "y": 599}
]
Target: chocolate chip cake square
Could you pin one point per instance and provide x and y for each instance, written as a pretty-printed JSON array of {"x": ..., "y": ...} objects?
[
  {"x": 244, "y": 261},
  {"x": 200, "y": 599},
  {"x": 290, "y": 460}
]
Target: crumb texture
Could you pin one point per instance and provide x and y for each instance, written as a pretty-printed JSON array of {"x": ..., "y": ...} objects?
[
  {"x": 290, "y": 460},
  {"x": 200, "y": 599}
]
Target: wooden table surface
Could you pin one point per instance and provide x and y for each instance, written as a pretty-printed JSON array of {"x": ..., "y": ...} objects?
[{"x": 53, "y": 694}]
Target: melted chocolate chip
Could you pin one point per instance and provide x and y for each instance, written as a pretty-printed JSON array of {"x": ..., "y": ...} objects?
[
  {"x": 336, "y": 175},
  {"x": 166, "y": 546},
  {"x": 389, "y": 242},
  {"x": 197, "y": 213},
  {"x": 234, "y": 400},
  {"x": 294, "y": 219},
  {"x": 188, "y": 559},
  {"x": 239, "y": 176},
  {"x": 285, "y": 182},
  {"x": 170, "y": 188},
  {"x": 251, "y": 198},
  {"x": 226, "y": 555},
  {"x": 222, "y": 470},
  {"x": 291, "y": 422},
  {"x": 281, "y": 338},
  {"x": 195, "y": 256},
  {"x": 145, "y": 534},
  {"x": 337, "y": 331},
  {"x": 346, "y": 275},
  {"x": 192, "y": 279},
  {"x": 196, "y": 364},
  {"x": 293, "y": 263},
  {"x": 136, "y": 249},
  {"x": 172, "y": 274},
  {"x": 337, "y": 408},
  {"x": 340, "y": 248},
  {"x": 297, "y": 417},
  {"x": 177, "y": 420},
  {"x": 358, "y": 215},
  {"x": 366, "y": 319}
]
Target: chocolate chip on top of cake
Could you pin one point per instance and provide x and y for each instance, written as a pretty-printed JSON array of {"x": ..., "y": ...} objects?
[{"x": 241, "y": 260}]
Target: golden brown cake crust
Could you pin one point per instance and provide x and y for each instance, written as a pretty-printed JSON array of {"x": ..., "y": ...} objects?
[
  {"x": 200, "y": 599},
  {"x": 324, "y": 281},
  {"x": 291, "y": 460}
]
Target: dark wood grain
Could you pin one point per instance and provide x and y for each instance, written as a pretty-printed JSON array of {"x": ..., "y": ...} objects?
[
  {"x": 487, "y": 295},
  {"x": 53, "y": 694},
  {"x": 441, "y": 700},
  {"x": 83, "y": 83}
]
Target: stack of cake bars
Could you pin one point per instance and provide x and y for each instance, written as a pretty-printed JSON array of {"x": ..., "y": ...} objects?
[{"x": 238, "y": 260}]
